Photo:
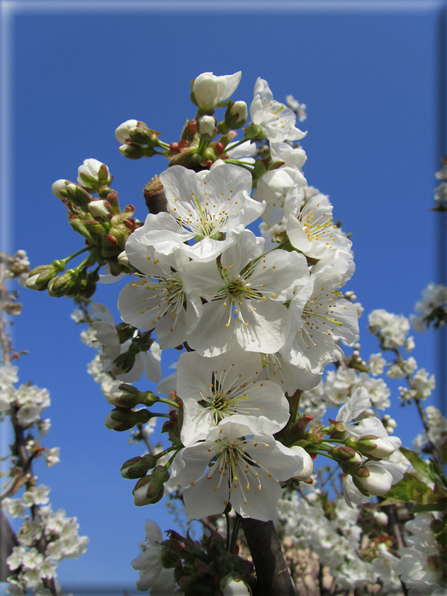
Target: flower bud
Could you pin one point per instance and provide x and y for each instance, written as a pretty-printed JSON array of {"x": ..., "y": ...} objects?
[
  {"x": 132, "y": 396},
  {"x": 254, "y": 132},
  {"x": 381, "y": 518},
  {"x": 136, "y": 467},
  {"x": 93, "y": 175},
  {"x": 236, "y": 114},
  {"x": 150, "y": 489},
  {"x": 39, "y": 277},
  {"x": 60, "y": 286},
  {"x": 207, "y": 127},
  {"x": 59, "y": 188},
  {"x": 123, "y": 259},
  {"x": 99, "y": 208},
  {"x": 87, "y": 286},
  {"x": 346, "y": 455},
  {"x": 131, "y": 151},
  {"x": 78, "y": 195},
  {"x": 375, "y": 447},
  {"x": 374, "y": 478},
  {"x": 121, "y": 420},
  {"x": 337, "y": 429},
  {"x": 142, "y": 135},
  {"x": 208, "y": 90},
  {"x": 233, "y": 587},
  {"x": 122, "y": 133}
]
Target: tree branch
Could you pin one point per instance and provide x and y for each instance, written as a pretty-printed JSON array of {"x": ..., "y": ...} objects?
[{"x": 273, "y": 578}]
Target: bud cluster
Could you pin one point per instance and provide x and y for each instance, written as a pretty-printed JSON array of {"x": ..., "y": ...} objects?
[{"x": 102, "y": 223}]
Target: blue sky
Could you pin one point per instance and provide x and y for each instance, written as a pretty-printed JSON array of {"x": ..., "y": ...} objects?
[{"x": 368, "y": 78}]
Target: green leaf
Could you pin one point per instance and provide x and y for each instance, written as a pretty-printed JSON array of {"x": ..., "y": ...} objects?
[
  {"x": 418, "y": 464},
  {"x": 410, "y": 490},
  {"x": 428, "y": 507}
]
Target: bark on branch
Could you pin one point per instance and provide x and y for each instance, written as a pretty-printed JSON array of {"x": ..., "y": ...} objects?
[{"x": 272, "y": 573}]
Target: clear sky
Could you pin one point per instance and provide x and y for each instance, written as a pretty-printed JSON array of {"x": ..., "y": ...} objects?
[{"x": 368, "y": 78}]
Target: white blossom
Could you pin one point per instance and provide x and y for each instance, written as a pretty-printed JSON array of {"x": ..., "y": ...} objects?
[
  {"x": 202, "y": 206},
  {"x": 275, "y": 119},
  {"x": 245, "y": 296},
  {"x": 209, "y": 89},
  {"x": 393, "y": 329},
  {"x": 376, "y": 364},
  {"x": 297, "y": 107},
  {"x": 227, "y": 385},
  {"x": 320, "y": 318},
  {"x": 242, "y": 470}
]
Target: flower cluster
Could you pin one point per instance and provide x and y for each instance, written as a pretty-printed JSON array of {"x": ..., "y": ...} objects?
[
  {"x": 257, "y": 318},
  {"x": 29, "y": 562},
  {"x": 262, "y": 319},
  {"x": 44, "y": 538}
]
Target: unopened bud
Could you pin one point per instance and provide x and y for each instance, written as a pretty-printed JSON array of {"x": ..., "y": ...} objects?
[
  {"x": 337, "y": 429},
  {"x": 375, "y": 479},
  {"x": 131, "y": 397},
  {"x": 150, "y": 489},
  {"x": 39, "y": 277},
  {"x": 207, "y": 127},
  {"x": 136, "y": 467},
  {"x": 87, "y": 286},
  {"x": 94, "y": 174},
  {"x": 375, "y": 447},
  {"x": 122, "y": 133},
  {"x": 99, "y": 208},
  {"x": 132, "y": 151},
  {"x": 346, "y": 455},
  {"x": 60, "y": 286},
  {"x": 78, "y": 195},
  {"x": 236, "y": 114},
  {"x": 234, "y": 587},
  {"x": 121, "y": 420},
  {"x": 123, "y": 259},
  {"x": 254, "y": 132},
  {"x": 59, "y": 188},
  {"x": 142, "y": 135}
]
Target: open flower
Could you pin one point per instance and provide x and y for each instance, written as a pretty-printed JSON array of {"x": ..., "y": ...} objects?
[
  {"x": 244, "y": 298},
  {"x": 106, "y": 334},
  {"x": 203, "y": 207},
  {"x": 228, "y": 385},
  {"x": 244, "y": 469},
  {"x": 275, "y": 119},
  {"x": 313, "y": 232},
  {"x": 321, "y": 317},
  {"x": 152, "y": 575},
  {"x": 157, "y": 300}
]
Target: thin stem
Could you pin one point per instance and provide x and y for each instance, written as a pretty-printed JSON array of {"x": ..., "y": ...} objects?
[
  {"x": 237, "y": 525},
  {"x": 145, "y": 439},
  {"x": 240, "y": 164},
  {"x": 227, "y": 517},
  {"x": 234, "y": 145},
  {"x": 167, "y": 401},
  {"x": 75, "y": 254},
  {"x": 417, "y": 400}
]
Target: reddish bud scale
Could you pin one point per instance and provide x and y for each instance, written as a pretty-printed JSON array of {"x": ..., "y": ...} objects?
[
  {"x": 112, "y": 239},
  {"x": 173, "y": 148},
  {"x": 192, "y": 127},
  {"x": 183, "y": 144},
  {"x": 219, "y": 148}
]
